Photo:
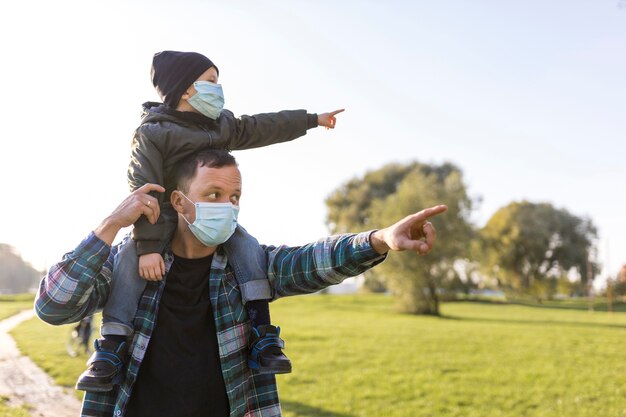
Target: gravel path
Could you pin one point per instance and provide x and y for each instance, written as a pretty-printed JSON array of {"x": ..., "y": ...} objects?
[{"x": 25, "y": 383}]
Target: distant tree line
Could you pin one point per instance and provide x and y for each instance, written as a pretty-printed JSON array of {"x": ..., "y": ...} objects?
[
  {"x": 524, "y": 249},
  {"x": 16, "y": 275}
]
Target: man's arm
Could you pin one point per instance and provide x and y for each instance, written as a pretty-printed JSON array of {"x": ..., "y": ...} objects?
[
  {"x": 310, "y": 268},
  {"x": 79, "y": 285},
  {"x": 313, "y": 267}
]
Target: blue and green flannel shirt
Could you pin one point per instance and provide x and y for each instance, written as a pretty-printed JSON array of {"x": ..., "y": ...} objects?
[{"x": 79, "y": 285}]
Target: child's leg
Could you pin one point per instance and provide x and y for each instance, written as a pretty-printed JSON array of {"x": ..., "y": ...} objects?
[
  {"x": 249, "y": 262},
  {"x": 126, "y": 284},
  {"x": 117, "y": 322},
  {"x": 126, "y": 289}
]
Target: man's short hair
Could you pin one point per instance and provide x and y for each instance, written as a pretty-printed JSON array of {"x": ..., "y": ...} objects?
[{"x": 210, "y": 158}]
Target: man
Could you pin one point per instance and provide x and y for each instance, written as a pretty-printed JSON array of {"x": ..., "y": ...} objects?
[{"x": 188, "y": 354}]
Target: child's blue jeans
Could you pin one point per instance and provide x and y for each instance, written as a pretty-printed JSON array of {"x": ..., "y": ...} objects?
[{"x": 245, "y": 256}]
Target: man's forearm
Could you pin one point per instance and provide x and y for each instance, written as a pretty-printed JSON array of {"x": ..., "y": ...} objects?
[
  {"x": 313, "y": 267},
  {"x": 107, "y": 230},
  {"x": 76, "y": 286}
]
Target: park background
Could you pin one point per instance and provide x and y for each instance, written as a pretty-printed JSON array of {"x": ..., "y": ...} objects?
[{"x": 526, "y": 98}]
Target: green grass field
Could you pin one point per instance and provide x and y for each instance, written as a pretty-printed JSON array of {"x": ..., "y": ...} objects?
[
  {"x": 8, "y": 411},
  {"x": 355, "y": 356},
  {"x": 13, "y": 304}
]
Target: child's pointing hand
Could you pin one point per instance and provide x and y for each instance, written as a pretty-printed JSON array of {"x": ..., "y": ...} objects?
[{"x": 328, "y": 120}]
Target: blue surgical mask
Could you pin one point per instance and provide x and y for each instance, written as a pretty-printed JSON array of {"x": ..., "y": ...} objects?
[
  {"x": 209, "y": 99},
  {"x": 215, "y": 222}
]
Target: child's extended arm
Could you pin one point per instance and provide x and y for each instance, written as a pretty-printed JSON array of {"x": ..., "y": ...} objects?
[{"x": 265, "y": 129}]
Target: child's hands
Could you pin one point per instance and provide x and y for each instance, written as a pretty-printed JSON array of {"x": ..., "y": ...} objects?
[
  {"x": 151, "y": 267},
  {"x": 328, "y": 120}
]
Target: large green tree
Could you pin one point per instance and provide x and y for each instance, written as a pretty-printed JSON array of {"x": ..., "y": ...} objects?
[
  {"x": 384, "y": 196},
  {"x": 530, "y": 246}
]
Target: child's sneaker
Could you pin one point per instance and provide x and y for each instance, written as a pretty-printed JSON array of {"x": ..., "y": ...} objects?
[
  {"x": 266, "y": 355},
  {"x": 104, "y": 365}
]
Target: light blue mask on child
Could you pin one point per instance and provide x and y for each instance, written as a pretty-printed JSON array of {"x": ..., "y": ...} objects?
[
  {"x": 215, "y": 222},
  {"x": 209, "y": 99}
]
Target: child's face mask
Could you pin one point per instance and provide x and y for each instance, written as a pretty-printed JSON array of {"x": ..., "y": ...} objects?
[{"x": 209, "y": 99}]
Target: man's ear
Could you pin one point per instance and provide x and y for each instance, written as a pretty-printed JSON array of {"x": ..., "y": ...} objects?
[{"x": 177, "y": 201}]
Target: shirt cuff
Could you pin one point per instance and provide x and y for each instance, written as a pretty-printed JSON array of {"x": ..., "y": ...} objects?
[
  {"x": 363, "y": 246},
  {"x": 311, "y": 120}
]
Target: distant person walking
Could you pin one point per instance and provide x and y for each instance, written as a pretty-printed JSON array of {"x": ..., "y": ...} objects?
[{"x": 80, "y": 337}]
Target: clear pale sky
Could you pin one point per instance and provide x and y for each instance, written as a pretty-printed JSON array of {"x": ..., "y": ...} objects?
[{"x": 527, "y": 97}]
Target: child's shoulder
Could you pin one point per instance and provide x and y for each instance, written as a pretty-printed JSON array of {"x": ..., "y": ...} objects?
[
  {"x": 158, "y": 118},
  {"x": 157, "y": 127}
]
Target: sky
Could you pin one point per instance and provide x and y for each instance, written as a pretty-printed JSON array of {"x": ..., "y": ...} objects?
[{"x": 527, "y": 98}]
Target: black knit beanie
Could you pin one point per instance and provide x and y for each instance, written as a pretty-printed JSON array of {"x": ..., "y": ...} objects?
[{"x": 173, "y": 72}]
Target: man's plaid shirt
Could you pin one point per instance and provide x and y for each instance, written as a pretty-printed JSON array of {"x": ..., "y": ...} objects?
[{"x": 79, "y": 286}]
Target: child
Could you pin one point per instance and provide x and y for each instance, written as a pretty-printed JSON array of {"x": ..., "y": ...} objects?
[{"x": 191, "y": 118}]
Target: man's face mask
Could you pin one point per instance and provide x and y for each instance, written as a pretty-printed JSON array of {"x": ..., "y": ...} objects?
[
  {"x": 215, "y": 222},
  {"x": 208, "y": 100}
]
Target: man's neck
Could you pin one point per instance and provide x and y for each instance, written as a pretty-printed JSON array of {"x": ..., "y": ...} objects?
[{"x": 186, "y": 245}]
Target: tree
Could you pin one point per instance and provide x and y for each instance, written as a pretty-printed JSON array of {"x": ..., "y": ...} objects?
[
  {"x": 619, "y": 284},
  {"x": 349, "y": 207},
  {"x": 528, "y": 246},
  {"x": 386, "y": 195},
  {"x": 16, "y": 276}
]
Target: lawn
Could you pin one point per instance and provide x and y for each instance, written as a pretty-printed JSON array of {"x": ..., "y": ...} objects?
[
  {"x": 354, "y": 356},
  {"x": 13, "y": 304},
  {"x": 7, "y": 410}
]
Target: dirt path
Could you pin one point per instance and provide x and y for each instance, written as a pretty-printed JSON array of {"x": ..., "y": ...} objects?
[{"x": 25, "y": 383}]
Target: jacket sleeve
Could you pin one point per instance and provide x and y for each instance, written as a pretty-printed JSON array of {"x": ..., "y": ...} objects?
[
  {"x": 247, "y": 132},
  {"x": 77, "y": 286},
  {"x": 313, "y": 267},
  {"x": 146, "y": 166}
]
